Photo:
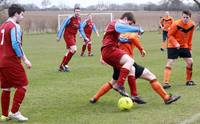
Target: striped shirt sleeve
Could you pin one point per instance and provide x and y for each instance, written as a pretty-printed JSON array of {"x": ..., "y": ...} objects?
[{"x": 16, "y": 39}]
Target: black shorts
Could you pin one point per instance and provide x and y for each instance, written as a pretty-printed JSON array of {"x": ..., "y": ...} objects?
[
  {"x": 174, "y": 53},
  {"x": 138, "y": 71},
  {"x": 164, "y": 34}
]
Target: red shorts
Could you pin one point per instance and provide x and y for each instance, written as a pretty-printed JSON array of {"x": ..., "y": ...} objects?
[
  {"x": 112, "y": 56},
  {"x": 13, "y": 76},
  {"x": 70, "y": 40}
]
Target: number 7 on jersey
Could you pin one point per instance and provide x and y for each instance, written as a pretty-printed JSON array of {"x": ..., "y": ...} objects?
[{"x": 2, "y": 39}]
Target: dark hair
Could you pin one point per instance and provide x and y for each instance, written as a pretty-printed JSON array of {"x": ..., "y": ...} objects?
[
  {"x": 15, "y": 8},
  {"x": 77, "y": 6},
  {"x": 187, "y": 12},
  {"x": 129, "y": 16}
]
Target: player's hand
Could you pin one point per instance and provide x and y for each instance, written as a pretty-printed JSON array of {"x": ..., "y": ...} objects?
[
  {"x": 80, "y": 36},
  {"x": 97, "y": 34},
  {"x": 141, "y": 31},
  {"x": 57, "y": 39},
  {"x": 178, "y": 46},
  {"x": 86, "y": 39},
  {"x": 191, "y": 52},
  {"x": 27, "y": 63},
  {"x": 143, "y": 53},
  {"x": 102, "y": 61}
]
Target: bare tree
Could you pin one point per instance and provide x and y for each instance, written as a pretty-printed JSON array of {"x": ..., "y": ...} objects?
[
  {"x": 45, "y": 3},
  {"x": 197, "y": 2}
]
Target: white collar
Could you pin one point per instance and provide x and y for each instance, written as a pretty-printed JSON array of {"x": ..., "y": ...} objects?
[{"x": 12, "y": 20}]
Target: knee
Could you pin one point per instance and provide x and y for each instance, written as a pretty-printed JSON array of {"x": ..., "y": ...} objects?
[
  {"x": 189, "y": 63},
  {"x": 6, "y": 89},
  {"x": 169, "y": 63},
  {"x": 73, "y": 50}
]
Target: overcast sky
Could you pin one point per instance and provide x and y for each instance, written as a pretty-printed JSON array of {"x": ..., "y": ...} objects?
[{"x": 85, "y": 3}]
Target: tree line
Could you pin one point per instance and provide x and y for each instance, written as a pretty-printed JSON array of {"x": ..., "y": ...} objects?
[{"x": 170, "y": 5}]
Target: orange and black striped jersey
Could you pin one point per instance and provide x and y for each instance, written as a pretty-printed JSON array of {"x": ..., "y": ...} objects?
[
  {"x": 181, "y": 33},
  {"x": 166, "y": 22},
  {"x": 129, "y": 46}
]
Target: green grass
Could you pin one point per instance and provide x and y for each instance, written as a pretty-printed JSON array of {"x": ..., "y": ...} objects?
[{"x": 62, "y": 98}]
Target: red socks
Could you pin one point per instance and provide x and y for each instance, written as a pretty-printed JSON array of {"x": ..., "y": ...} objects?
[
  {"x": 122, "y": 76},
  {"x": 132, "y": 85},
  {"x": 5, "y": 102},
  {"x": 89, "y": 48},
  {"x": 18, "y": 98},
  {"x": 83, "y": 49},
  {"x": 68, "y": 58}
]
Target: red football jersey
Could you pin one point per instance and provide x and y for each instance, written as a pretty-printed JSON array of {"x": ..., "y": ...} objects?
[
  {"x": 111, "y": 35},
  {"x": 73, "y": 26},
  {"x": 88, "y": 28},
  {"x": 7, "y": 55}
]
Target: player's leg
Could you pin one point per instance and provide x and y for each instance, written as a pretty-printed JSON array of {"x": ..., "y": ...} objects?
[
  {"x": 164, "y": 41},
  {"x": 5, "y": 102},
  {"x": 103, "y": 90},
  {"x": 16, "y": 77},
  {"x": 83, "y": 48},
  {"x": 132, "y": 84},
  {"x": 147, "y": 75},
  {"x": 5, "y": 95},
  {"x": 167, "y": 73},
  {"x": 189, "y": 63},
  {"x": 17, "y": 101},
  {"x": 127, "y": 66},
  {"x": 64, "y": 65},
  {"x": 106, "y": 87},
  {"x": 172, "y": 54},
  {"x": 89, "y": 47}
]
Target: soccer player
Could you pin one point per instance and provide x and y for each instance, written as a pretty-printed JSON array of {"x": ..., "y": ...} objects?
[
  {"x": 165, "y": 24},
  {"x": 12, "y": 73},
  {"x": 180, "y": 45},
  {"x": 70, "y": 27},
  {"x": 140, "y": 72},
  {"x": 114, "y": 56},
  {"x": 86, "y": 28}
]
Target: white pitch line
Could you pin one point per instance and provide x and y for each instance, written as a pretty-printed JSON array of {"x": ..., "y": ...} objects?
[{"x": 191, "y": 119}]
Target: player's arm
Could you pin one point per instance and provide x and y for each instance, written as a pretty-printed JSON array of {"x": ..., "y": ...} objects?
[
  {"x": 161, "y": 23},
  {"x": 16, "y": 40},
  {"x": 190, "y": 38},
  {"x": 62, "y": 27},
  {"x": 124, "y": 28},
  {"x": 94, "y": 28},
  {"x": 81, "y": 30},
  {"x": 136, "y": 41},
  {"x": 171, "y": 33}
]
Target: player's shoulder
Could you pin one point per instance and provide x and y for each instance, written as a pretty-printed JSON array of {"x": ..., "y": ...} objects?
[
  {"x": 8, "y": 24},
  {"x": 191, "y": 22},
  {"x": 177, "y": 22}
]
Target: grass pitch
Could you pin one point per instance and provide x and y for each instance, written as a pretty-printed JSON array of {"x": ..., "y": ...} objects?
[{"x": 63, "y": 98}]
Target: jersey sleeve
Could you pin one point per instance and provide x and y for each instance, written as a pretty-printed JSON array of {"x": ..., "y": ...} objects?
[
  {"x": 136, "y": 41},
  {"x": 190, "y": 38},
  {"x": 94, "y": 28},
  {"x": 62, "y": 27},
  {"x": 16, "y": 40},
  {"x": 171, "y": 34},
  {"x": 81, "y": 29},
  {"x": 123, "y": 28}
]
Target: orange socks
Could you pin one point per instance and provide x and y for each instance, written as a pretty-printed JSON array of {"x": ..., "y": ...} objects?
[
  {"x": 167, "y": 73},
  {"x": 188, "y": 74},
  {"x": 159, "y": 89},
  {"x": 103, "y": 90}
]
